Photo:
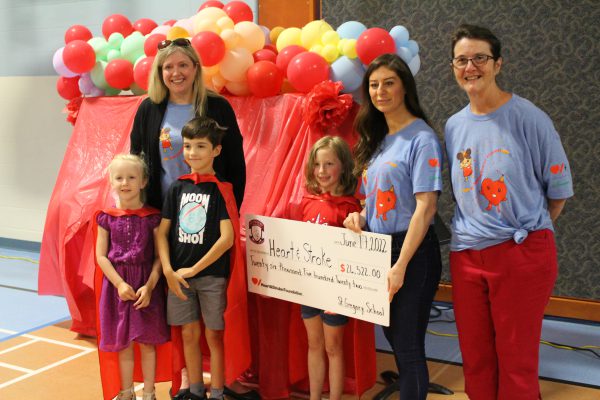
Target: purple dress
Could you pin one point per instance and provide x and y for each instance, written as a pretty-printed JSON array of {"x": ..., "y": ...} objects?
[{"x": 131, "y": 252}]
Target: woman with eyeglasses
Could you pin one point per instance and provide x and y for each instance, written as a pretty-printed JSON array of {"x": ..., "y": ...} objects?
[
  {"x": 510, "y": 177},
  {"x": 176, "y": 94}
]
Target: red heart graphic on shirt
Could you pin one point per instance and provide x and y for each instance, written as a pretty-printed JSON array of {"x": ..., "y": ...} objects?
[
  {"x": 433, "y": 162},
  {"x": 556, "y": 168}
]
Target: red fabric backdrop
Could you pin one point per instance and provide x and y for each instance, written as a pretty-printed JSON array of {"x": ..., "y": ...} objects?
[{"x": 276, "y": 142}]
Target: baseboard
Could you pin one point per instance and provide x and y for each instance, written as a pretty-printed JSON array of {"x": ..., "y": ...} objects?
[
  {"x": 16, "y": 244},
  {"x": 558, "y": 306}
]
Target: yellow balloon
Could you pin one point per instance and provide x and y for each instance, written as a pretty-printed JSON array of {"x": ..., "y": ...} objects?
[
  {"x": 210, "y": 71},
  {"x": 177, "y": 32},
  {"x": 238, "y": 88},
  {"x": 317, "y": 48},
  {"x": 312, "y": 32},
  {"x": 349, "y": 49},
  {"x": 218, "y": 82},
  {"x": 329, "y": 53},
  {"x": 225, "y": 23},
  {"x": 330, "y": 37},
  {"x": 288, "y": 37},
  {"x": 231, "y": 38},
  {"x": 252, "y": 37},
  {"x": 203, "y": 25},
  {"x": 274, "y": 34},
  {"x": 341, "y": 44},
  {"x": 235, "y": 64}
]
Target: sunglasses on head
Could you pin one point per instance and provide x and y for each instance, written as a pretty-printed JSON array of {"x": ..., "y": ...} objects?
[{"x": 181, "y": 42}]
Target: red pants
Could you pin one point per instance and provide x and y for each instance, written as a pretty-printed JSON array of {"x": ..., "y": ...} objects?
[{"x": 499, "y": 296}]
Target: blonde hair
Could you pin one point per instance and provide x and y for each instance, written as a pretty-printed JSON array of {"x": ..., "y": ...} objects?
[
  {"x": 158, "y": 91},
  {"x": 136, "y": 160},
  {"x": 347, "y": 183}
]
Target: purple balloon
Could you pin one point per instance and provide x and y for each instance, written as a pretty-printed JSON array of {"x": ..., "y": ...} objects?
[
  {"x": 95, "y": 92},
  {"x": 86, "y": 85},
  {"x": 266, "y": 32},
  {"x": 59, "y": 65}
]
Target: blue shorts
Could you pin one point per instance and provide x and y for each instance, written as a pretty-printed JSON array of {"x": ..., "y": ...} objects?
[{"x": 328, "y": 319}]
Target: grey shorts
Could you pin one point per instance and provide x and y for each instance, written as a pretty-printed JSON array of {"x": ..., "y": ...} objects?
[{"x": 206, "y": 294}]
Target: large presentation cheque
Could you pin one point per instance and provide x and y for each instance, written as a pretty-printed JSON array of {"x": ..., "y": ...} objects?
[{"x": 320, "y": 266}]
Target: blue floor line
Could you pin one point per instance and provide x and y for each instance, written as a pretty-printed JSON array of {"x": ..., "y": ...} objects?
[{"x": 35, "y": 328}]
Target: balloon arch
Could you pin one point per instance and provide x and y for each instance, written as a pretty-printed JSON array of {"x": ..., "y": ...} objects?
[{"x": 238, "y": 56}]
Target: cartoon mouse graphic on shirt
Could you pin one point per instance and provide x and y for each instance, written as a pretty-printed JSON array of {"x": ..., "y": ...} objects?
[
  {"x": 165, "y": 139},
  {"x": 466, "y": 163}
]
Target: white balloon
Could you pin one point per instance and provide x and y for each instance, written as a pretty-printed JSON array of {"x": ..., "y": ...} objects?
[{"x": 415, "y": 65}]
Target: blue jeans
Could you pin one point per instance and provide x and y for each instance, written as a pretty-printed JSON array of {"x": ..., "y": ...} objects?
[{"x": 409, "y": 314}]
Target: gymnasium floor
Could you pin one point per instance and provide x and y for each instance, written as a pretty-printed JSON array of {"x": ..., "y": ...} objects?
[{"x": 41, "y": 358}]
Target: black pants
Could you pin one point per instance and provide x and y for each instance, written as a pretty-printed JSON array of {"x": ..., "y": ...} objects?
[{"x": 409, "y": 314}]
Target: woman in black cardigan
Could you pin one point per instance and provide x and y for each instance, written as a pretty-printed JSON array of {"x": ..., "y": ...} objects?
[{"x": 175, "y": 90}]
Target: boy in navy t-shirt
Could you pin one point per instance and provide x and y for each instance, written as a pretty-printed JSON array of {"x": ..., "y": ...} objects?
[{"x": 194, "y": 238}]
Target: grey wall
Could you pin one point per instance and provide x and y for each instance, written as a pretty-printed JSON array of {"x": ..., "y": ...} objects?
[{"x": 552, "y": 57}]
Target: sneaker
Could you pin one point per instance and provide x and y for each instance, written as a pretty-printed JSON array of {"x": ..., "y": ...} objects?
[
  {"x": 180, "y": 395},
  {"x": 192, "y": 396},
  {"x": 249, "y": 395}
]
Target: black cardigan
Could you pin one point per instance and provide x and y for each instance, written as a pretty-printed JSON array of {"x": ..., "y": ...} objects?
[{"x": 230, "y": 164}]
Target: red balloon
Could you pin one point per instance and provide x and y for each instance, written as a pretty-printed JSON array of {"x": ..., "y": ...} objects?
[
  {"x": 210, "y": 47},
  {"x": 116, "y": 23},
  {"x": 271, "y": 47},
  {"x": 211, "y": 3},
  {"x": 239, "y": 11},
  {"x": 151, "y": 43},
  {"x": 144, "y": 25},
  {"x": 68, "y": 88},
  {"x": 79, "y": 56},
  {"x": 77, "y": 32},
  {"x": 264, "y": 79},
  {"x": 264, "y": 55},
  {"x": 170, "y": 22},
  {"x": 306, "y": 70},
  {"x": 119, "y": 73},
  {"x": 373, "y": 43},
  {"x": 141, "y": 72},
  {"x": 285, "y": 56}
]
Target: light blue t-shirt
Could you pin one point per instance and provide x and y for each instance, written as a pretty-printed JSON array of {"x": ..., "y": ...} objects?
[
  {"x": 171, "y": 143},
  {"x": 503, "y": 167},
  {"x": 408, "y": 162}
]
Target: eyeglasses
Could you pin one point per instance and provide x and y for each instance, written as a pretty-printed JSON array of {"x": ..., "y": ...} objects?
[
  {"x": 478, "y": 60},
  {"x": 181, "y": 42}
]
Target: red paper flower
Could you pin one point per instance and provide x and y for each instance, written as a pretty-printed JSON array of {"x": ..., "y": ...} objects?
[
  {"x": 324, "y": 108},
  {"x": 72, "y": 109}
]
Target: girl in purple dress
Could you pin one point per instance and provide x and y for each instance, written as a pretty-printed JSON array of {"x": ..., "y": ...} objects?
[{"x": 132, "y": 303}]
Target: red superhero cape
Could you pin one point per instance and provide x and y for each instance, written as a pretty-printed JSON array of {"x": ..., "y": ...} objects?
[
  {"x": 236, "y": 336},
  {"x": 109, "y": 361}
]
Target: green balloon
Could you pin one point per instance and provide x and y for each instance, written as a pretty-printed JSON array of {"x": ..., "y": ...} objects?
[
  {"x": 97, "y": 75},
  {"x": 112, "y": 54},
  {"x": 115, "y": 40},
  {"x": 112, "y": 91},
  {"x": 133, "y": 47},
  {"x": 100, "y": 46}
]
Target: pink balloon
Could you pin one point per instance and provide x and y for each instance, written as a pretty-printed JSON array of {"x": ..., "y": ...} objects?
[
  {"x": 144, "y": 25},
  {"x": 210, "y": 47},
  {"x": 79, "y": 56},
  {"x": 239, "y": 11},
  {"x": 68, "y": 88},
  {"x": 264, "y": 79},
  {"x": 170, "y": 22},
  {"x": 285, "y": 56},
  {"x": 264, "y": 55},
  {"x": 116, "y": 23},
  {"x": 119, "y": 73},
  {"x": 151, "y": 43},
  {"x": 306, "y": 70},
  {"x": 141, "y": 72},
  {"x": 77, "y": 32},
  {"x": 211, "y": 3},
  {"x": 373, "y": 43}
]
